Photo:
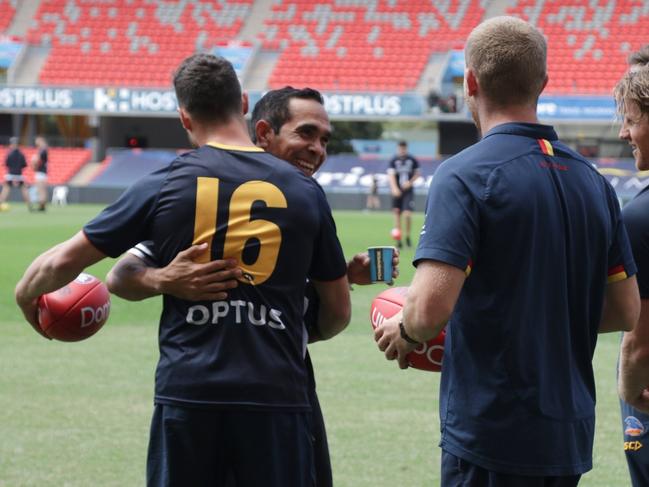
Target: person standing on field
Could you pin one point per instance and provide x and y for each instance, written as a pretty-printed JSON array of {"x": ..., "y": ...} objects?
[
  {"x": 231, "y": 395},
  {"x": 14, "y": 178},
  {"x": 632, "y": 100},
  {"x": 39, "y": 164},
  {"x": 524, "y": 258},
  {"x": 403, "y": 171},
  {"x": 373, "y": 202}
]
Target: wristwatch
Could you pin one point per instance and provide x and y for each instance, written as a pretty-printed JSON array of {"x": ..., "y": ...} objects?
[{"x": 404, "y": 335}]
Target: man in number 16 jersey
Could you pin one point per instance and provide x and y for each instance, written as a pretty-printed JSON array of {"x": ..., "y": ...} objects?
[{"x": 231, "y": 384}]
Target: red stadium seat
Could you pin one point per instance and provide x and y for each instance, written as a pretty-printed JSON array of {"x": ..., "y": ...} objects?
[
  {"x": 93, "y": 66},
  {"x": 370, "y": 55},
  {"x": 587, "y": 47}
]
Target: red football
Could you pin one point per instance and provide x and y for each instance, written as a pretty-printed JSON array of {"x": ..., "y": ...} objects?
[
  {"x": 428, "y": 356},
  {"x": 76, "y": 311}
]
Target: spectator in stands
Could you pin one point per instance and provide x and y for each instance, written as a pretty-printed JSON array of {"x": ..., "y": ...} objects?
[
  {"x": 292, "y": 124},
  {"x": 632, "y": 99},
  {"x": 403, "y": 171},
  {"x": 14, "y": 178},
  {"x": 523, "y": 253},
  {"x": 231, "y": 384},
  {"x": 373, "y": 202},
  {"x": 39, "y": 165}
]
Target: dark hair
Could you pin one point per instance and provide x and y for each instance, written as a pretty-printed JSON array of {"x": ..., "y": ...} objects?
[
  {"x": 208, "y": 88},
  {"x": 273, "y": 106},
  {"x": 402, "y": 143},
  {"x": 640, "y": 57}
]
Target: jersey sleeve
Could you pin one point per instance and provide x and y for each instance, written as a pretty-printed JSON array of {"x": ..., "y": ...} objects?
[
  {"x": 451, "y": 225},
  {"x": 415, "y": 164},
  {"x": 621, "y": 263},
  {"x": 328, "y": 261},
  {"x": 126, "y": 222},
  {"x": 146, "y": 253}
]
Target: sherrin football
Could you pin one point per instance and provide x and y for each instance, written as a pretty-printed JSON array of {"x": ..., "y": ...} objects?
[
  {"x": 428, "y": 356},
  {"x": 76, "y": 311}
]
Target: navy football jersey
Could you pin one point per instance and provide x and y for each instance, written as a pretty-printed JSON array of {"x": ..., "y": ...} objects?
[
  {"x": 539, "y": 233},
  {"x": 246, "y": 351},
  {"x": 404, "y": 168},
  {"x": 42, "y": 160},
  {"x": 15, "y": 162}
]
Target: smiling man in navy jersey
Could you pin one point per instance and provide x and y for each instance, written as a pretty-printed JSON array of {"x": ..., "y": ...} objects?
[
  {"x": 524, "y": 258},
  {"x": 231, "y": 383},
  {"x": 293, "y": 125},
  {"x": 632, "y": 99}
]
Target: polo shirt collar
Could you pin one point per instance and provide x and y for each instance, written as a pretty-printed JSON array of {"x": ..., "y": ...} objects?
[{"x": 533, "y": 130}]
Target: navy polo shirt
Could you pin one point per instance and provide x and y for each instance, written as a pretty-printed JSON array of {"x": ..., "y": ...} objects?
[
  {"x": 636, "y": 221},
  {"x": 539, "y": 233}
]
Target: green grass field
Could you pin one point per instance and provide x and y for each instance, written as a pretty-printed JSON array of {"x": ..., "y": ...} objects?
[{"x": 77, "y": 414}]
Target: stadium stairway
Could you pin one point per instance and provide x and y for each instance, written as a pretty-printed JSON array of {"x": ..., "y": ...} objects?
[
  {"x": 22, "y": 17},
  {"x": 254, "y": 23}
]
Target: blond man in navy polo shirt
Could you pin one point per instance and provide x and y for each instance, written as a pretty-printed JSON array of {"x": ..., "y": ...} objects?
[{"x": 524, "y": 258}]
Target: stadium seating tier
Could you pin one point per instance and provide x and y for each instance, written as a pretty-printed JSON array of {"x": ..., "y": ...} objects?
[
  {"x": 588, "y": 41},
  {"x": 128, "y": 42},
  {"x": 345, "y": 45}
]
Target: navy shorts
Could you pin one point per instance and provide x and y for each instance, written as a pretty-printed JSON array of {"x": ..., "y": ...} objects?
[
  {"x": 457, "y": 472},
  {"x": 635, "y": 427},
  {"x": 405, "y": 202},
  {"x": 214, "y": 448}
]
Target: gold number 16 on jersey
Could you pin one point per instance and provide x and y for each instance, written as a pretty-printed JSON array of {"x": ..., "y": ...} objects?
[{"x": 240, "y": 227}]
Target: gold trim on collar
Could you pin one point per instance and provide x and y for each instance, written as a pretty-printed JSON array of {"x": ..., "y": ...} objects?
[{"x": 235, "y": 147}]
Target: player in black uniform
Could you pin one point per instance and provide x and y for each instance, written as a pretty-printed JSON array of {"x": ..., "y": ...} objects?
[
  {"x": 291, "y": 124},
  {"x": 403, "y": 171},
  {"x": 231, "y": 384},
  {"x": 15, "y": 163}
]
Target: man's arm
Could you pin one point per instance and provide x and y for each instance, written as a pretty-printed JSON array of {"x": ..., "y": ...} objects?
[
  {"x": 131, "y": 278},
  {"x": 621, "y": 306},
  {"x": 633, "y": 381},
  {"x": 432, "y": 295},
  {"x": 392, "y": 179},
  {"x": 52, "y": 270},
  {"x": 335, "y": 308},
  {"x": 394, "y": 187}
]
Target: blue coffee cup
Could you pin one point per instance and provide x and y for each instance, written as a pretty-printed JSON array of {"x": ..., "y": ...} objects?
[{"x": 381, "y": 264}]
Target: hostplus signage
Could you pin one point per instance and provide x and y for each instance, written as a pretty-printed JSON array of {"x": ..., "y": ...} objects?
[{"x": 148, "y": 102}]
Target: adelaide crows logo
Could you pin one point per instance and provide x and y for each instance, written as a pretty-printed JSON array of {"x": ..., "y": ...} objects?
[{"x": 633, "y": 426}]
